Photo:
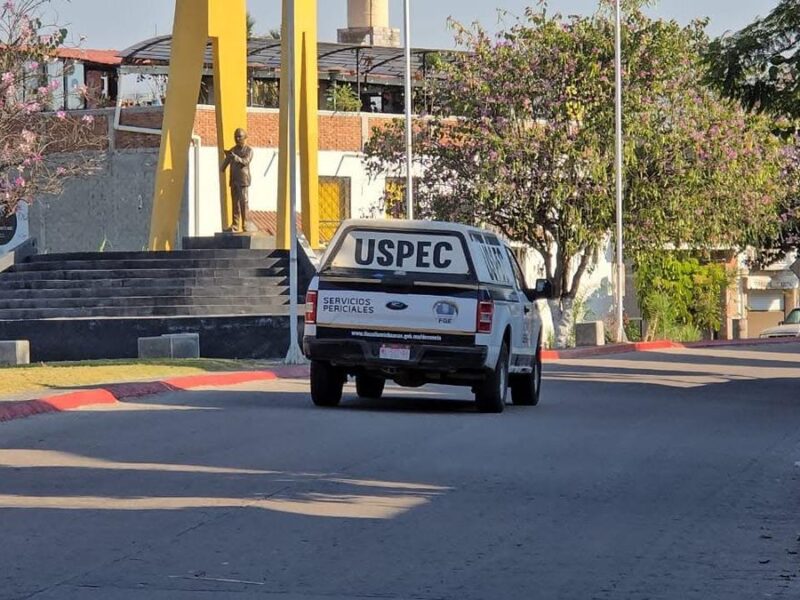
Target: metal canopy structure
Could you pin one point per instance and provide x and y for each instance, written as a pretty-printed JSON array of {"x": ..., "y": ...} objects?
[{"x": 339, "y": 60}]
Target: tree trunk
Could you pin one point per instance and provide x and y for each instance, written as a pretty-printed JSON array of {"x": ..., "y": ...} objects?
[{"x": 563, "y": 312}]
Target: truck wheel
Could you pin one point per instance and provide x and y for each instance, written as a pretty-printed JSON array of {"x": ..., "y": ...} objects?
[
  {"x": 370, "y": 387},
  {"x": 326, "y": 384},
  {"x": 491, "y": 394},
  {"x": 525, "y": 388}
]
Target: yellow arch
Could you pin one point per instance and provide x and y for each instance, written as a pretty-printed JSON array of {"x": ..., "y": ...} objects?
[
  {"x": 224, "y": 22},
  {"x": 307, "y": 111}
]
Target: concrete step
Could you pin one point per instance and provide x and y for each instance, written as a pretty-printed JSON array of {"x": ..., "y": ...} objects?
[
  {"x": 141, "y": 283},
  {"x": 173, "y": 255},
  {"x": 253, "y": 241},
  {"x": 277, "y": 306},
  {"x": 142, "y": 301},
  {"x": 267, "y": 270},
  {"x": 263, "y": 287},
  {"x": 127, "y": 265}
]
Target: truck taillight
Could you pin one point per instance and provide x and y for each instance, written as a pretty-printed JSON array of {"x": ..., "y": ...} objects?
[
  {"x": 311, "y": 308},
  {"x": 485, "y": 316}
]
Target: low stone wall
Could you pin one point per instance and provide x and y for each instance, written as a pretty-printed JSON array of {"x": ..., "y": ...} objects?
[
  {"x": 248, "y": 337},
  {"x": 18, "y": 254}
]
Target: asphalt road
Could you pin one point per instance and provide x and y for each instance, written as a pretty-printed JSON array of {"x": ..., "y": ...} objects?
[{"x": 651, "y": 476}]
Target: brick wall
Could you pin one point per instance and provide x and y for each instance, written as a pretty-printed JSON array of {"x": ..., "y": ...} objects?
[
  {"x": 264, "y": 128},
  {"x": 147, "y": 118},
  {"x": 205, "y": 125},
  {"x": 338, "y": 132}
]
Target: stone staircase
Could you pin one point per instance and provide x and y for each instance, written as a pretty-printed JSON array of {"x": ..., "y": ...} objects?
[{"x": 96, "y": 305}]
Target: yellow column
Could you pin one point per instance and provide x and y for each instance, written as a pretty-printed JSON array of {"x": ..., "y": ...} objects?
[
  {"x": 307, "y": 124},
  {"x": 188, "y": 46},
  {"x": 228, "y": 31},
  {"x": 224, "y": 21}
]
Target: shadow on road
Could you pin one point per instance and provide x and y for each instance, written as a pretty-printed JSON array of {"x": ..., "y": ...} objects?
[
  {"x": 684, "y": 369},
  {"x": 636, "y": 474}
]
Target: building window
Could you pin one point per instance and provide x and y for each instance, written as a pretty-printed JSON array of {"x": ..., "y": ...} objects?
[
  {"x": 334, "y": 205},
  {"x": 766, "y": 301}
]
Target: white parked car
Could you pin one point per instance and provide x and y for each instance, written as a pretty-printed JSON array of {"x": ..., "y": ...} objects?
[
  {"x": 419, "y": 302},
  {"x": 788, "y": 328}
]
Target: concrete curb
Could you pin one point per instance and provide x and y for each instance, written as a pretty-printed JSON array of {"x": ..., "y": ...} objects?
[
  {"x": 574, "y": 353},
  {"x": 113, "y": 393}
]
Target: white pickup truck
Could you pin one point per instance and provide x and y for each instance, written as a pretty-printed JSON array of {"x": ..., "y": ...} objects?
[{"x": 421, "y": 302}]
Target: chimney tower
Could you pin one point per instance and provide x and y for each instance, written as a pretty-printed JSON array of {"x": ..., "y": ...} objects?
[{"x": 368, "y": 24}]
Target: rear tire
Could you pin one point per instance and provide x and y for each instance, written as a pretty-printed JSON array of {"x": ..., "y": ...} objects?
[
  {"x": 370, "y": 387},
  {"x": 525, "y": 389},
  {"x": 491, "y": 394},
  {"x": 327, "y": 383}
]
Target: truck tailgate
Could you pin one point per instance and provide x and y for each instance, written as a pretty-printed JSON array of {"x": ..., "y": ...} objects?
[{"x": 368, "y": 309}]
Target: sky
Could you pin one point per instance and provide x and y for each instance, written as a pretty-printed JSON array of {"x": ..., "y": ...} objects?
[{"x": 117, "y": 24}]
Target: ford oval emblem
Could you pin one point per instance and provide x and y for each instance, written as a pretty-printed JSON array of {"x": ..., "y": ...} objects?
[{"x": 397, "y": 305}]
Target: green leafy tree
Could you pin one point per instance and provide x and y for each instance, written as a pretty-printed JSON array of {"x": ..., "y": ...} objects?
[
  {"x": 759, "y": 65},
  {"x": 272, "y": 34},
  {"x": 530, "y": 151},
  {"x": 263, "y": 92},
  {"x": 251, "y": 25}
]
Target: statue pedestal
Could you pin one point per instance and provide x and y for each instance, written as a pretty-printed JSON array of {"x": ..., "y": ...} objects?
[{"x": 250, "y": 240}]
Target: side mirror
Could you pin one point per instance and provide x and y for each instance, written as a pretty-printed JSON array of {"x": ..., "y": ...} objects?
[{"x": 542, "y": 291}]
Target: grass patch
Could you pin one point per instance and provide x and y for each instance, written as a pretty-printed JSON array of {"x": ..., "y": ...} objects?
[{"x": 52, "y": 377}]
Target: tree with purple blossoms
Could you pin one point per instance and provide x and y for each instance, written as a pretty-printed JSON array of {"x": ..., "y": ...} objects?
[
  {"x": 760, "y": 67},
  {"x": 521, "y": 140},
  {"x": 39, "y": 151}
]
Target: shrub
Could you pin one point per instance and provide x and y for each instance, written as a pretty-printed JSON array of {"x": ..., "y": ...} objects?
[
  {"x": 343, "y": 98},
  {"x": 680, "y": 297}
]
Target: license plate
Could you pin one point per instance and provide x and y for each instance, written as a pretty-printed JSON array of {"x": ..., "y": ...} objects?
[{"x": 395, "y": 353}]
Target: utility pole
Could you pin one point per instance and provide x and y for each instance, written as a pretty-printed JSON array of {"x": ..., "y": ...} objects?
[
  {"x": 409, "y": 122},
  {"x": 620, "y": 291},
  {"x": 295, "y": 355}
]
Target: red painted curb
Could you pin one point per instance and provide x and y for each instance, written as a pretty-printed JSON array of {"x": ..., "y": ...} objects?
[
  {"x": 75, "y": 400},
  {"x": 729, "y": 343},
  {"x": 652, "y": 346},
  {"x": 19, "y": 410},
  {"x": 186, "y": 383},
  {"x": 612, "y": 349},
  {"x": 113, "y": 393}
]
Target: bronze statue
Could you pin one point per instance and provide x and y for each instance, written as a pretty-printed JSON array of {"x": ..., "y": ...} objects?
[{"x": 239, "y": 158}]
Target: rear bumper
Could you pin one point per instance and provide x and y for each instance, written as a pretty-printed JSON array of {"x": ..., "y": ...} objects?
[{"x": 366, "y": 355}]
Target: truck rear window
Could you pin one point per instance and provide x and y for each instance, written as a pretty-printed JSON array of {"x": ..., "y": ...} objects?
[{"x": 395, "y": 251}]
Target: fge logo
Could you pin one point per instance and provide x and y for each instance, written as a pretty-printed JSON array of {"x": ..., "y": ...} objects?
[{"x": 446, "y": 312}]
